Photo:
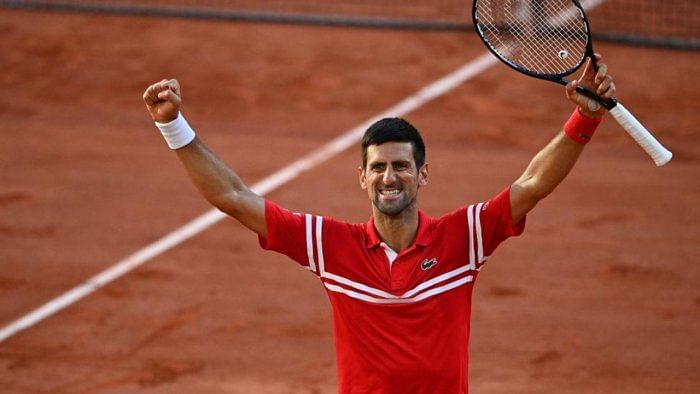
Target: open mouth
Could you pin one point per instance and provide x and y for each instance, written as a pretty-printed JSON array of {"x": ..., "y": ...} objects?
[{"x": 389, "y": 192}]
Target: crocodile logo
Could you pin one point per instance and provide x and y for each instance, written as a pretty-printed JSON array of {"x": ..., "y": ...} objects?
[{"x": 428, "y": 264}]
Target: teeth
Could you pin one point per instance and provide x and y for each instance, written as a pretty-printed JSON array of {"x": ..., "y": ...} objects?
[{"x": 389, "y": 192}]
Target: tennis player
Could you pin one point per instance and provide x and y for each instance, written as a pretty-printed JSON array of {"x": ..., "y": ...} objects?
[{"x": 400, "y": 285}]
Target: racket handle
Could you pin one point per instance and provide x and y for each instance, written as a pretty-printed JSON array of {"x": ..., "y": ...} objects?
[{"x": 658, "y": 153}]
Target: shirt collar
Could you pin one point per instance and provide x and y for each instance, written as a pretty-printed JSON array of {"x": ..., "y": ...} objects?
[{"x": 423, "y": 238}]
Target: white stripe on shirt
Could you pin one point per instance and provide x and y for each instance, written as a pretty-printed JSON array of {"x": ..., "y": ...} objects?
[
  {"x": 420, "y": 297},
  {"x": 309, "y": 243},
  {"x": 319, "y": 244}
]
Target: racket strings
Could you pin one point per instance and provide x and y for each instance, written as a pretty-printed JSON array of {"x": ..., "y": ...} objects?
[
  {"x": 526, "y": 35},
  {"x": 535, "y": 43},
  {"x": 546, "y": 37},
  {"x": 563, "y": 27}
]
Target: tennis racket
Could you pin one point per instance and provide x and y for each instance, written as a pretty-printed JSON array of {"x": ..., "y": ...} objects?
[{"x": 550, "y": 39}]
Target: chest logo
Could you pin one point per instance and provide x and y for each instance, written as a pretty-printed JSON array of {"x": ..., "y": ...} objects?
[{"x": 428, "y": 264}]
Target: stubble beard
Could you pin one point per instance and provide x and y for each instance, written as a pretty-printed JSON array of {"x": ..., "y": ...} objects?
[{"x": 392, "y": 209}]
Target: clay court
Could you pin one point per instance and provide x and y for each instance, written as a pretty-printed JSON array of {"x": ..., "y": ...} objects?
[{"x": 600, "y": 294}]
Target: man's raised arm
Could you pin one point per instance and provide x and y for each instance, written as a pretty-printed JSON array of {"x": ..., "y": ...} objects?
[
  {"x": 552, "y": 164},
  {"x": 220, "y": 185}
]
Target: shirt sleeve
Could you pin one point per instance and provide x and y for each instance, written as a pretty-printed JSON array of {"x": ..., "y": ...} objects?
[
  {"x": 490, "y": 223},
  {"x": 291, "y": 234}
]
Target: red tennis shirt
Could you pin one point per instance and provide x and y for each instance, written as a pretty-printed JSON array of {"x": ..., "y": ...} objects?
[{"x": 401, "y": 326}]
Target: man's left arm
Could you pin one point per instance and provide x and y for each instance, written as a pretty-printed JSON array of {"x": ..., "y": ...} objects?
[{"x": 553, "y": 163}]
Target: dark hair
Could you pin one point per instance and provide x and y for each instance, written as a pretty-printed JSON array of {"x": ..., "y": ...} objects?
[{"x": 394, "y": 130}]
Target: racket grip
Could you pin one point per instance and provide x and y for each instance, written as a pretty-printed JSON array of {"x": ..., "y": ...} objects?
[{"x": 658, "y": 153}]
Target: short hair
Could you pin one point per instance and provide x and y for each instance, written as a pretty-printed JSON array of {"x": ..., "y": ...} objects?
[{"x": 394, "y": 130}]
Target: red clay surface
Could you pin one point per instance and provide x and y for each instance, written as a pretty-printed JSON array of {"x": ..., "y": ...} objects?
[{"x": 599, "y": 295}]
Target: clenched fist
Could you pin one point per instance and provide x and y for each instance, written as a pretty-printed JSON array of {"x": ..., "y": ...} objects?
[{"x": 163, "y": 100}]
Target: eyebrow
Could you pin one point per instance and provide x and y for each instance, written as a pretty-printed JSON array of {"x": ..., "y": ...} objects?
[{"x": 395, "y": 162}]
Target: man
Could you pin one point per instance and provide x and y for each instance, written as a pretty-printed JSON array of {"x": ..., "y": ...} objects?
[{"x": 400, "y": 285}]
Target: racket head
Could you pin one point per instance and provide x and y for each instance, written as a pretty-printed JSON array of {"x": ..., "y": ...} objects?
[{"x": 545, "y": 39}]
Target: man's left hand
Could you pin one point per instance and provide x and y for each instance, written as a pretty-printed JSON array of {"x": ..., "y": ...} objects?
[{"x": 598, "y": 82}]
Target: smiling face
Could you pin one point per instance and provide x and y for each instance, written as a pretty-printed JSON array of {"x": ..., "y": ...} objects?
[{"x": 391, "y": 177}]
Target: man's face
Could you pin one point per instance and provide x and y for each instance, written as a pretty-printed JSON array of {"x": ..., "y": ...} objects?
[{"x": 391, "y": 177}]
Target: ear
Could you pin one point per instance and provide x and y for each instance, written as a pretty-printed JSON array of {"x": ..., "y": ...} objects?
[
  {"x": 423, "y": 175},
  {"x": 363, "y": 178}
]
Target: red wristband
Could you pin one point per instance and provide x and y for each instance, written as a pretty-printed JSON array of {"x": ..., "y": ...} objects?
[{"x": 580, "y": 127}]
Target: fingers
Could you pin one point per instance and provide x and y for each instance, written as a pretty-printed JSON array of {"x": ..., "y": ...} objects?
[
  {"x": 574, "y": 96},
  {"x": 589, "y": 107},
  {"x": 165, "y": 90},
  {"x": 602, "y": 72},
  {"x": 597, "y": 81},
  {"x": 571, "y": 89},
  {"x": 606, "y": 88},
  {"x": 150, "y": 96},
  {"x": 604, "y": 85},
  {"x": 587, "y": 74}
]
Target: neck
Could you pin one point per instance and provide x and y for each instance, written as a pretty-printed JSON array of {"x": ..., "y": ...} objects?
[{"x": 399, "y": 231}]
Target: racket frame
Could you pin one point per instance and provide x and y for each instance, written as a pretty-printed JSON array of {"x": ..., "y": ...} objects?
[{"x": 559, "y": 77}]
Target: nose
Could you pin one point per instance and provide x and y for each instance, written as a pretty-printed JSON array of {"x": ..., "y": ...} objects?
[{"x": 389, "y": 176}]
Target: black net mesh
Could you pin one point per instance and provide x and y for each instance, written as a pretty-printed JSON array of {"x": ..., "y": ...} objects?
[{"x": 671, "y": 23}]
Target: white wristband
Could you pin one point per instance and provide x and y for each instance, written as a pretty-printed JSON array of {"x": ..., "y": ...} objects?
[{"x": 177, "y": 133}]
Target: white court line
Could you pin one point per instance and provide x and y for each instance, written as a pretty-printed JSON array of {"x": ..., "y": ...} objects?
[{"x": 277, "y": 179}]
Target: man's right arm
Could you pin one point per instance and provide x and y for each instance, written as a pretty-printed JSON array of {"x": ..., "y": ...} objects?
[{"x": 220, "y": 185}]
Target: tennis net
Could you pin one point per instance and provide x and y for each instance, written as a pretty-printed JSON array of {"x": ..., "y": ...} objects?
[{"x": 666, "y": 23}]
